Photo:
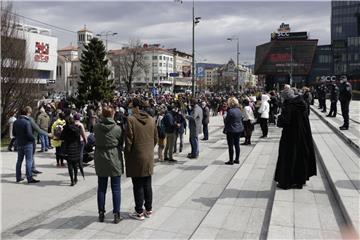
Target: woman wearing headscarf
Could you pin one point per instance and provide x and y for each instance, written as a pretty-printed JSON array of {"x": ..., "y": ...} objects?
[
  {"x": 233, "y": 129},
  {"x": 296, "y": 161}
]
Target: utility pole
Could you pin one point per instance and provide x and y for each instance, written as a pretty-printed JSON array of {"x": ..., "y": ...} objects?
[
  {"x": 237, "y": 62},
  {"x": 193, "y": 51}
]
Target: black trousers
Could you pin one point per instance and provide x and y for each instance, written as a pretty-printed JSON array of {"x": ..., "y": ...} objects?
[
  {"x": 333, "y": 109},
  {"x": 324, "y": 104},
  {"x": 142, "y": 193},
  {"x": 57, "y": 154},
  {"x": 233, "y": 140},
  {"x": 264, "y": 126},
  {"x": 345, "y": 112},
  {"x": 73, "y": 170},
  {"x": 12, "y": 144},
  {"x": 248, "y": 128}
]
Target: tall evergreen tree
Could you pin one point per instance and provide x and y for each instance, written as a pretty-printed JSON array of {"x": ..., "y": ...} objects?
[{"x": 95, "y": 85}]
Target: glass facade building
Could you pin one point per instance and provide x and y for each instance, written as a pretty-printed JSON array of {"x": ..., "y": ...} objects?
[{"x": 345, "y": 38}]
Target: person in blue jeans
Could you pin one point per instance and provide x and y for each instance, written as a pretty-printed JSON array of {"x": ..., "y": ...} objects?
[
  {"x": 233, "y": 129},
  {"x": 23, "y": 133},
  {"x": 108, "y": 161}
]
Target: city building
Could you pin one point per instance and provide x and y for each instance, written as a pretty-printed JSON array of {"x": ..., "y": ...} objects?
[
  {"x": 38, "y": 48},
  {"x": 287, "y": 58},
  {"x": 166, "y": 69},
  {"x": 68, "y": 64},
  {"x": 345, "y": 39}
]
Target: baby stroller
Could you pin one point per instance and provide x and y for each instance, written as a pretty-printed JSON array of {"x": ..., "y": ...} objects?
[{"x": 88, "y": 155}]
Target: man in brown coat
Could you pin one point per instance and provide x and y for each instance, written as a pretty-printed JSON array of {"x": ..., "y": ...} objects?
[{"x": 141, "y": 138}]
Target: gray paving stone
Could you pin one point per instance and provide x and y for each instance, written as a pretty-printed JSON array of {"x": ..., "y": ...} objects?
[
  {"x": 281, "y": 232},
  {"x": 217, "y": 216},
  {"x": 255, "y": 222},
  {"x": 229, "y": 234},
  {"x": 304, "y": 196},
  {"x": 306, "y": 216},
  {"x": 307, "y": 233},
  {"x": 282, "y": 214},
  {"x": 205, "y": 233},
  {"x": 183, "y": 221},
  {"x": 284, "y": 195},
  {"x": 237, "y": 219}
]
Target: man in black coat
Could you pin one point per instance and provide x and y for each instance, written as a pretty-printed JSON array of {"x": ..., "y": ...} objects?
[
  {"x": 345, "y": 94},
  {"x": 334, "y": 96},
  {"x": 296, "y": 161}
]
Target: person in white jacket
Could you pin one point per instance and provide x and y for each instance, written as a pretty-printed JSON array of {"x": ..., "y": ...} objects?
[
  {"x": 264, "y": 111},
  {"x": 248, "y": 121}
]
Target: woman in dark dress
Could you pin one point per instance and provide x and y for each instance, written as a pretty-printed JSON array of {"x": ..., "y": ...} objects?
[
  {"x": 71, "y": 147},
  {"x": 296, "y": 162}
]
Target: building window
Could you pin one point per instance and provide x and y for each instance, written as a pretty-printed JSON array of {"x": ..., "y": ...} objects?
[
  {"x": 88, "y": 37},
  {"x": 160, "y": 57},
  {"x": 154, "y": 57},
  {"x": 160, "y": 64}
]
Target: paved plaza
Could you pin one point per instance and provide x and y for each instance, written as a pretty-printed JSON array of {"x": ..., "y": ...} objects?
[{"x": 198, "y": 198}]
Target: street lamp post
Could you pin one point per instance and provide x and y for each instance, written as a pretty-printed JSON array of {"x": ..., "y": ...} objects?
[
  {"x": 106, "y": 34},
  {"x": 237, "y": 61},
  {"x": 195, "y": 20}
]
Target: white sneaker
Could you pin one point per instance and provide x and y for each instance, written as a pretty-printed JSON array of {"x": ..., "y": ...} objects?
[
  {"x": 147, "y": 214},
  {"x": 137, "y": 216}
]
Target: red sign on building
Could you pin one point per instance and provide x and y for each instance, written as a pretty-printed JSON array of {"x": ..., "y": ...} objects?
[
  {"x": 41, "y": 52},
  {"x": 280, "y": 57}
]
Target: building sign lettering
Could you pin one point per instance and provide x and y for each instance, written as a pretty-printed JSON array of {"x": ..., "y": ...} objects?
[
  {"x": 41, "y": 52},
  {"x": 280, "y": 57}
]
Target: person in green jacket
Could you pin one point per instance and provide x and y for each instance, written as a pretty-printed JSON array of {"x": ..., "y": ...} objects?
[{"x": 108, "y": 161}]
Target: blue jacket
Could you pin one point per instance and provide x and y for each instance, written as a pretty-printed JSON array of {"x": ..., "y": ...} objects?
[
  {"x": 233, "y": 121},
  {"x": 169, "y": 122},
  {"x": 23, "y": 132}
]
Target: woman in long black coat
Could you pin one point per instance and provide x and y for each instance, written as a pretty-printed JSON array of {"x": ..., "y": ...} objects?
[
  {"x": 71, "y": 147},
  {"x": 296, "y": 162}
]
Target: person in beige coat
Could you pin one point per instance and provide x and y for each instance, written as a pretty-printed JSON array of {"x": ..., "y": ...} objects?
[{"x": 141, "y": 138}]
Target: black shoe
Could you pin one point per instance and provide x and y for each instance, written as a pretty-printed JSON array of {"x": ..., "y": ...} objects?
[
  {"x": 191, "y": 157},
  {"x": 33, "y": 181},
  {"x": 323, "y": 111},
  {"x": 117, "y": 218},
  {"x": 101, "y": 216},
  {"x": 50, "y": 147},
  {"x": 229, "y": 163},
  {"x": 75, "y": 181},
  {"x": 298, "y": 186},
  {"x": 166, "y": 159},
  {"x": 180, "y": 150},
  {"x": 21, "y": 179},
  {"x": 172, "y": 160},
  {"x": 244, "y": 143},
  {"x": 237, "y": 162},
  {"x": 72, "y": 184},
  {"x": 328, "y": 115},
  {"x": 36, "y": 172},
  {"x": 9, "y": 149},
  {"x": 41, "y": 151},
  {"x": 344, "y": 128}
]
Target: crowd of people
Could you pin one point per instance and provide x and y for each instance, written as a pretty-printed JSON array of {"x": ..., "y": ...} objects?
[{"x": 132, "y": 125}]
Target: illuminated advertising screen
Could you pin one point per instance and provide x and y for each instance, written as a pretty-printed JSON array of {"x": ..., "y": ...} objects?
[{"x": 283, "y": 57}]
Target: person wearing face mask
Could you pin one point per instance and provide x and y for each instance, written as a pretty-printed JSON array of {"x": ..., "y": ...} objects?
[{"x": 345, "y": 95}]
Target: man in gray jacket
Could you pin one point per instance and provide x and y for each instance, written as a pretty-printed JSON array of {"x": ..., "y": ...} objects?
[
  {"x": 195, "y": 124},
  {"x": 43, "y": 121}
]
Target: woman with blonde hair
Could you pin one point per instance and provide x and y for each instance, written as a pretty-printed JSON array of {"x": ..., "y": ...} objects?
[{"x": 233, "y": 129}]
